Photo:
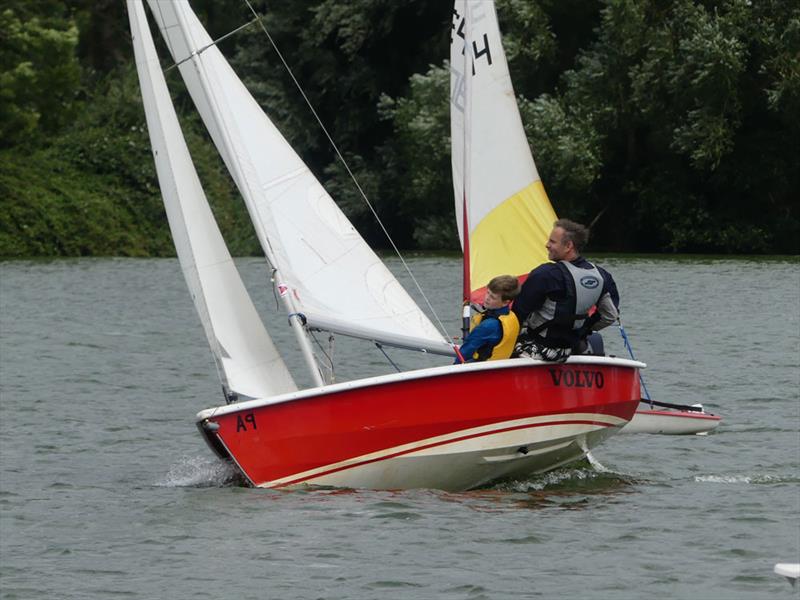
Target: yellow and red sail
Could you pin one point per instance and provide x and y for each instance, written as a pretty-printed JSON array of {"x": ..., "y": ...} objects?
[{"x": 503, "y": 213}]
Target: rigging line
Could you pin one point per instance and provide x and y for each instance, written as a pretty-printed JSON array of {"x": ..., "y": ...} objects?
[
  {"x": 387, "y": 357},
  {"x": 331, "y": 348},
  {"x": 442, "y": 328},
  {"x": 213, "y": 43},
  {"x": 329, "y": 357},
  {"x": 321, "y": 349},
  {"x": 626, "y": 342}
]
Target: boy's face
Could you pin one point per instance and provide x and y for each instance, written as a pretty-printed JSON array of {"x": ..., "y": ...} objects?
[{"x": 493, "y": 300}]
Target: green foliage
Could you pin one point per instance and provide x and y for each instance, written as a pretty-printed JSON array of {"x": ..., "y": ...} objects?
[
  {"x": 567, "y": 145},
  {"x": 344, "y": 55},
  {"x": 52, "y": 209},
  {"x": 528, "y": 38},
  {"x": 675, "y": 114},
  {"x": 348, "y": 57},
  {"x": 418, "y": 155},
  {"x": 93, "y": 191},
  {"x": 674, "y": 122},
  {"x": 693, "y": 70},
  {"x": 39, "y": 72},
  {"x": 782, "y": 65}
]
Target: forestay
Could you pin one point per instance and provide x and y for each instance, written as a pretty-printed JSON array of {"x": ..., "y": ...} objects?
[
  {"x": 508, "y": 214},
  {"x": 247, "y": 359},
  {"x": 325, "y": 265}
]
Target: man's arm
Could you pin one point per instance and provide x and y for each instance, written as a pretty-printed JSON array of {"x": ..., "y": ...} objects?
[
  {"x": 608, "y": 305},
  {"x": 606, "y": 311},
  {"x": 610, "y": 286}
]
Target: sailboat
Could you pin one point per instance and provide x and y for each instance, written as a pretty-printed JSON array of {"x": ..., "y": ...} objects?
[
  {"x": 667, "y": 418},
  {"x": 451, "y": 427},
  {"x": 505, "y": 216},
  {"x": 672, "y": 419}
]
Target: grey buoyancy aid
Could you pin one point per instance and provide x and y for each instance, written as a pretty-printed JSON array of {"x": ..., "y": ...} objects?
[{"x": 563, "y": 318}]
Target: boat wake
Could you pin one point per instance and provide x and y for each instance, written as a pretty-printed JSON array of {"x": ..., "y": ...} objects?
[
  {"x": 748, "y": 479},
  {"x": 583, "y": 477},
  {"x": 598, "y": 466},
  {"x": 196, "y": 471}
]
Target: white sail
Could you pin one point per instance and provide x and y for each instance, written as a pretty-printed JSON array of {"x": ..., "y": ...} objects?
[
  {"x": 331, "y": 273},
  {"x": 508, "y": 214},
  {"x": 249, "y": 363}
]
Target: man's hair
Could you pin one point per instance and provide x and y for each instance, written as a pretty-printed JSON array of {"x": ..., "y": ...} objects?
[
  {"x": 574, "y": 232},
  {"x": 505, "y": 285}
]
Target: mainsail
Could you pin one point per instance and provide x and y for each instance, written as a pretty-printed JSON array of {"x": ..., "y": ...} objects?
[
  {"x": 248, "y": 361},
  {"x": 330, "y": 273},
  {"x": 497, "y": 189}
]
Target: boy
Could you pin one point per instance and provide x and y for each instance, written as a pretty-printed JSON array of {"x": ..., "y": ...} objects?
[{"x": 496, "y": 329}]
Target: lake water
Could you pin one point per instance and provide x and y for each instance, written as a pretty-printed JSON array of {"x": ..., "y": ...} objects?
[{"x": 108, "y": 491}]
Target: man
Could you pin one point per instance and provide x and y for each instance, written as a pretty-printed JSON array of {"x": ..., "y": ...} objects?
[
  {"x": 556, "y": 300},
  {"x": 496, "y": 328}
]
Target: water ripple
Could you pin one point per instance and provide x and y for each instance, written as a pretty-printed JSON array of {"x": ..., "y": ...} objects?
[
  {"x": 748, "y": 479},
  {"x": 106, "y": 490}
]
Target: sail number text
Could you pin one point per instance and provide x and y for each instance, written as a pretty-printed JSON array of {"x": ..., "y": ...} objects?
[{"x": 243, "y": 421}]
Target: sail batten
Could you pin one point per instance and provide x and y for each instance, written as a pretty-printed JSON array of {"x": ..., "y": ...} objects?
[
  {"x": 246, "y": 358},
  {"x": 325, "y": 265},
  {"x": 493, "y": 169}
]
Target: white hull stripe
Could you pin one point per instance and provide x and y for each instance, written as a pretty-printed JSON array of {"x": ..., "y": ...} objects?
[
  {"x": 422, "y": 447},
  {"x": 680, "y": 415}
]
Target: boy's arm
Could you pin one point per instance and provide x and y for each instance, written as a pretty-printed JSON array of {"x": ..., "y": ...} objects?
[{"x": 488, "y": 331}]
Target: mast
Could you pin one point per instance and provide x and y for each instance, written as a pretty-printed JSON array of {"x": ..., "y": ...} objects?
[
  {"x": 295, "y": 318},
  {"x": 466, "y": 311},
  {"x": 467, "y": 282}
]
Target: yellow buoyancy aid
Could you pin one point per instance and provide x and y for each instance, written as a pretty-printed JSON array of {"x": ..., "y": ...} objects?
[{"x": 505, "y": 346}]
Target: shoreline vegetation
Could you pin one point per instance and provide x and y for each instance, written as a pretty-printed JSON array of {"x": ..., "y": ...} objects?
[
  {"x": 674, "y": 126},
  {"x": 599, "y": 257}
]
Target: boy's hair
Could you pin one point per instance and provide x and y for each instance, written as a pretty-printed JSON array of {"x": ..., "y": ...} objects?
[{"x": 505, "y": 285}]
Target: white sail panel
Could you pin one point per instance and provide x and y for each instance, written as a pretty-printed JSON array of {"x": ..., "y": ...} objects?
[
  {"x": 508, "y": 213},
  {"x": 248, "y": 360},
  {"x": 323, "y": 260}
]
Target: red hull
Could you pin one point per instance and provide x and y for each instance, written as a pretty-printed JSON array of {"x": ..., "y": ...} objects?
[{"x": 347, "y": 426}]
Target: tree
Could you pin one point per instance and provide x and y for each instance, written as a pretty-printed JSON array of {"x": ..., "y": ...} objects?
[
  {"x": 416, "y": 160},
  {"x": 39, "y": 71},
  {"x": 684, "y": 106}
]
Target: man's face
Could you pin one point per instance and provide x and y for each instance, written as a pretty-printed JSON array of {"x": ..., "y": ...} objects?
[
  {"x": 557, "y": 247},
  {"x": 493, "y": 300}
]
